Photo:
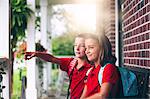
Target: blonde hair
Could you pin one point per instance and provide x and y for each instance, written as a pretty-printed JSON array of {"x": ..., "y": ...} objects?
[{"x": 105, "y": 48}]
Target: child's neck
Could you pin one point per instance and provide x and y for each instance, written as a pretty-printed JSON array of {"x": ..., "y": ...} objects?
[
  {"x": 96, "y": 63},
  {"x": 80, "y": 62}
]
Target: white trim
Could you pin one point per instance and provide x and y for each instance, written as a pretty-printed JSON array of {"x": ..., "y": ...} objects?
[
  {"x": 135, "y": 27},
  {"x": 128, "y": 4},
  {"x": 133, "y": 65},
  {"x": 136, "y": 35},
  {"x": 134, "y": 13},
  {"x": 136, "y": 19},
  {"x": 140, "y": 58},
  {"x": 125, "y": 45},
  {"x": 136, "y": 50},
  {"x": 116, "y": 34}
]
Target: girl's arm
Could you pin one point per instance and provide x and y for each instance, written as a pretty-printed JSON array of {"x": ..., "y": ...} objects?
[
  {"x": 104, "y": 92},
  {"x": 84, "y": 92},
  {"x": 43, "y": 55}
]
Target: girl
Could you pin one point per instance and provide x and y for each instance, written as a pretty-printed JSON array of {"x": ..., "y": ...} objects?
[{"x": 98, "y": 51}]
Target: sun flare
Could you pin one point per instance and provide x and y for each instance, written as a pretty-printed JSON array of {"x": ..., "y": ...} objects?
[
  {"x": 80, "y": 18},
  {"x": 84, "y": 16}
]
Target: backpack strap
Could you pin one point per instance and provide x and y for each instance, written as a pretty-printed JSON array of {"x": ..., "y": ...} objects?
[
  {"x": 100, "y": 74},
  {"x": 73, "y": 64}
]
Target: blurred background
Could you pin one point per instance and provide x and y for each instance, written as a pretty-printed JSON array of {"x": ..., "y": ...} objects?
[{"x": 39, "y": 25}]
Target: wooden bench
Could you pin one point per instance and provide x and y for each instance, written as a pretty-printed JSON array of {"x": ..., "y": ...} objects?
[{"x": 143, "y": 81}]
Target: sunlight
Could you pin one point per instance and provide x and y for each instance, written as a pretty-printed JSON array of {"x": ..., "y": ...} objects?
[
  {"x": 85, "y": 16},
  {"x": 76, "y": 17}
]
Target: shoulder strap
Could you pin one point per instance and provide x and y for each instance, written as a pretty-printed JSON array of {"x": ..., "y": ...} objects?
[
  {"x": 72, "y": 64},
  {"x": 100, "y": 74}
]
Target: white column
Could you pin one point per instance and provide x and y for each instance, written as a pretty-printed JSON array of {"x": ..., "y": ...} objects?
[
  {"x": 44, "y": 41},
  {"x": 116, "y": 33},
  {"x": 49, "y": 70},
  {"x": 31, "y": 91},
  {"x": 4, "y": 43},
  {"x": 4, "y": 28},
  {"x": 45, "y": 80},
  {"x": 49, "y": 43}
]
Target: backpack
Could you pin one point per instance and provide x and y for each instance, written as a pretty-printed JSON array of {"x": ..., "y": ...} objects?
[{"x": 128, "y": 80}]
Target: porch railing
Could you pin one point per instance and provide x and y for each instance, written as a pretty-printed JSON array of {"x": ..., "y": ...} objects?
[
  {"x": 4, "y": 66},
  {"x": 23, "y": 87}
]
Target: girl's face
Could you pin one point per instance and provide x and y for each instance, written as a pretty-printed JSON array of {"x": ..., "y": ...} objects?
[
  {"x": 79, "y": 47},
  {"x": 92, "y": 49}
]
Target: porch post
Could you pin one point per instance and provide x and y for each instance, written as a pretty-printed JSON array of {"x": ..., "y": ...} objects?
[
  {"x": 44, "y": 41},
  {"x": 31, "y": 91},
  {"x": 49, "y": 37},
  {"x": 119, "y": 37},
  {"x": 4, "y": 44},
  {"x": 116, "y": 33}
]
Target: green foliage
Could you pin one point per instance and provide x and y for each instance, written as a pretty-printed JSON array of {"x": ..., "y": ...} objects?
[
  {"x": 19, "y": 16},
  {"x": 20, "y": 12},
  {"x": 63, "y": 45},
  {"x": 17, "y": 84}
]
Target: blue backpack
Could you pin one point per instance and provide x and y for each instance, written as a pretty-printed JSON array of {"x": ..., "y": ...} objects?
[{"x": 128, "y": 80}]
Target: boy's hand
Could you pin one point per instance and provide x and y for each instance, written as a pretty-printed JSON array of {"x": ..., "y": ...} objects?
[{"x": 29, "y": 55}]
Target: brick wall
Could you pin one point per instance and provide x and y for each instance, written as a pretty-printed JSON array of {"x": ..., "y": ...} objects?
[
  {"x": 136, "y": 33},
  {"x": 109, "y": 22}
]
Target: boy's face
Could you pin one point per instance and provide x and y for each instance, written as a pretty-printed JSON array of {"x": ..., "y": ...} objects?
[{"x": 79, "y": 47}]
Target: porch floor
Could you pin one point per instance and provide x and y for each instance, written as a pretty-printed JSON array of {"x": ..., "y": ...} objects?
[{"x": 52, "y": 95}]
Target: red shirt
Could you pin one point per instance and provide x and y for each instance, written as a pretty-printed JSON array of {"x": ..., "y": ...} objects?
[
  {"x": 78, "y": 75},
  {"x": 110, "y": 74}
]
